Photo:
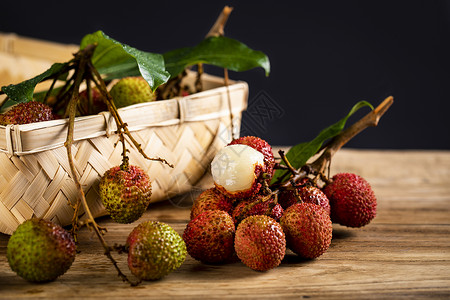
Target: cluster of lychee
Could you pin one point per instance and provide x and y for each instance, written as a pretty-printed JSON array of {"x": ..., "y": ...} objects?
[{"x": 242, "y": 218}]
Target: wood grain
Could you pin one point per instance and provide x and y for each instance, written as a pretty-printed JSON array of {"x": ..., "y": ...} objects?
[{"x": 403, "y": 253}]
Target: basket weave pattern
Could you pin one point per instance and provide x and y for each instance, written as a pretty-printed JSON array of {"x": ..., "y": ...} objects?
[{"x": 35, "y": 177}]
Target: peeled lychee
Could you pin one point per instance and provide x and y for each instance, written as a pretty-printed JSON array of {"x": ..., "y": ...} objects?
[
  {"x": 260, "y": 243},
  {"x": 352, "y": 200},
  {"x": 40, "y": 250},
  {"x": 154, "y": 250},
  {"x": 131, "y": 90},
  {"x": 125, "y": 193},
  {"x": 308, "y": 229},
  {"x": 27, "y": 112},
  {"x": 236, "y": 170},
  {"x": 209, "y": 237},
  {"x": 211, "y": 199},
  {"x": 263, "y": 147},
  {"x": 260, "y": 205}
]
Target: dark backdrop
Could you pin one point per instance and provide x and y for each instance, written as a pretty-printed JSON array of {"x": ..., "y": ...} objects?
[{"x": 325, "y": 56}]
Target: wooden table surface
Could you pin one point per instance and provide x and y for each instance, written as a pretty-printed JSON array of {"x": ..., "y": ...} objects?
[{"x": 403, "y": 253}]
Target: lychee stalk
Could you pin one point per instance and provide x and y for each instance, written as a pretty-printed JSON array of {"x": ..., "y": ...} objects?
[{"x": 318, "y": 166}]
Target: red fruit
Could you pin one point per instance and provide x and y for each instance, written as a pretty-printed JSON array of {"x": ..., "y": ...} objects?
[
  {"x": 262, "y": 146},
  {"x": 260, "y": 205},
  {"x": 27, "y": 112},
  {"x": 312, "y": 194},
  {"x": 352, "y": 200},
  {"x": 211, "y": 199},
  {"x": 260, "y": 243},
  {"x": 96, "y": 106},
  {"x": 209, "y": 237},
  {"x": 308, "y": 229}
]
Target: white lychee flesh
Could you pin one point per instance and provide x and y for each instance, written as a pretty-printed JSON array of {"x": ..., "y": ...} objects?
[{"x": 234, "y": 166}]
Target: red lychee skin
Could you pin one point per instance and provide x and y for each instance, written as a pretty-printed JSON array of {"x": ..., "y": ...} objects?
[
  {"x": 211, "y": 199},
  {"x": 260, "y": 243},
  {"x": 308, "y": 229},
  {"x": 251, "y": 192},
  {"x": 209, "y": 237},
  {"x": 27, "y": 112},
  {"x": 97, "y": 106},
  {"x": 256, "y": 206},
  {"x": 352, "y": 200},
  {"x": 261, "y": 146},
  {"x": 312, "y": 194}
]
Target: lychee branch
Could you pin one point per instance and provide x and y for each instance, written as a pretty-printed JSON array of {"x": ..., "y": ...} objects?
[{"x": 318, "y": 166}]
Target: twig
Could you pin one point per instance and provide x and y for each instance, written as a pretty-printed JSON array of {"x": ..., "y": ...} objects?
[
  {"x": 319, "y": 165},
  {"x": 218, "y": 28}
]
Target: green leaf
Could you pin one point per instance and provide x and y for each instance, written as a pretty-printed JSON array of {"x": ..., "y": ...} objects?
[
  {"x": 116, "y": 60},
  {"x": 23, "y": 92},
  {"x": 299, "y": 154},
  {"x": 218, "y": 51}
]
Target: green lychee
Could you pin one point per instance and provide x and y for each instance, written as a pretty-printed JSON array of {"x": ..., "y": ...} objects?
[
  {"x": 131, "y": 90},
  {"x": 40, "y": 250},
  {"x": 154, "y": 250},
  {"x": 308, "y": 229},
  {"x": 352, "y": 200},
  {"x": 260, "y": 242},
  {"x": 209, "y": 237},
  {"x": 27, "y": 112},
  {"x": 125, "y": 194}
]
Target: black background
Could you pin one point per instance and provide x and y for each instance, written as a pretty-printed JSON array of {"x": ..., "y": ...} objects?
[{"x": 325, "y": 56}]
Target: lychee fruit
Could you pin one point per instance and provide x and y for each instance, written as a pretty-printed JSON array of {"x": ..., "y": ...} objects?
[
  {"x": 263, "y": 147},
  {"x": 209, "y": 237},
  {"x": 131, "y": 90},
  {"x": 305, "y": 193},
  {"x": 260, "y": 242},
  {"x": 259, "y": 205},
  {"x": 125, "y": 193},
  {"x": 27, "y": 112},
  {"x": 93, "y": 105},
  {"x": 236, "y": 170},
  {"x": 40, "y": 250},
  {"x": 211, "y": 199},
  {"x": 154, "y": 250},
  {"x": 352, "y": 200},
  {"x": 308, "y": 229}
]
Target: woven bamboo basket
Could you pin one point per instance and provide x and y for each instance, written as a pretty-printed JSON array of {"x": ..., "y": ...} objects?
[{"x": 35, "y": 178}]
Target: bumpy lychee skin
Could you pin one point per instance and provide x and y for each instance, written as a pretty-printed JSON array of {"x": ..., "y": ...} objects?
[
  {"x": 308, "y": 229},
  {"x": 93, "y": 105},
  {"x": 211, "y": 199},
  {"x": 131, "y": 90},
  {"x": 312, "y": 194},
  {"x": 352, "y": 200},
  {"x": 260, "y": 205},
  {"x": 237, "y": 169},
  {"x": 27, "y": 112},
  {"x": 125, "y": 193},
  {"x": 40, "y": 251},
  {"x": 263, "y": 147},
  {"x": 260, "y": 243},
  {"x": 154, "y": 250},
  {"x": 209, "y": 237}
]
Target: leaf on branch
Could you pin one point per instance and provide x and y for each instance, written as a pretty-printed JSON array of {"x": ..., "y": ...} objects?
[
  {"x": 299, "y": 154},
  {"x": 23, "y": 92},
  {"x": 117, "y": 60},
  {"x": 218, "y": 51}
]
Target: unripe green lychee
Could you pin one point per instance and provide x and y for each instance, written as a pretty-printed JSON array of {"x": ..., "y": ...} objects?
[
  {"x": 260, "y": 243},
  {"x": 27, "y": 112},
  {"x": 154, "y": 250},
  {"x": 125, "y": 193},
  {"x": 40, "y": 250},
  {"x": 131, "y": 90}
]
